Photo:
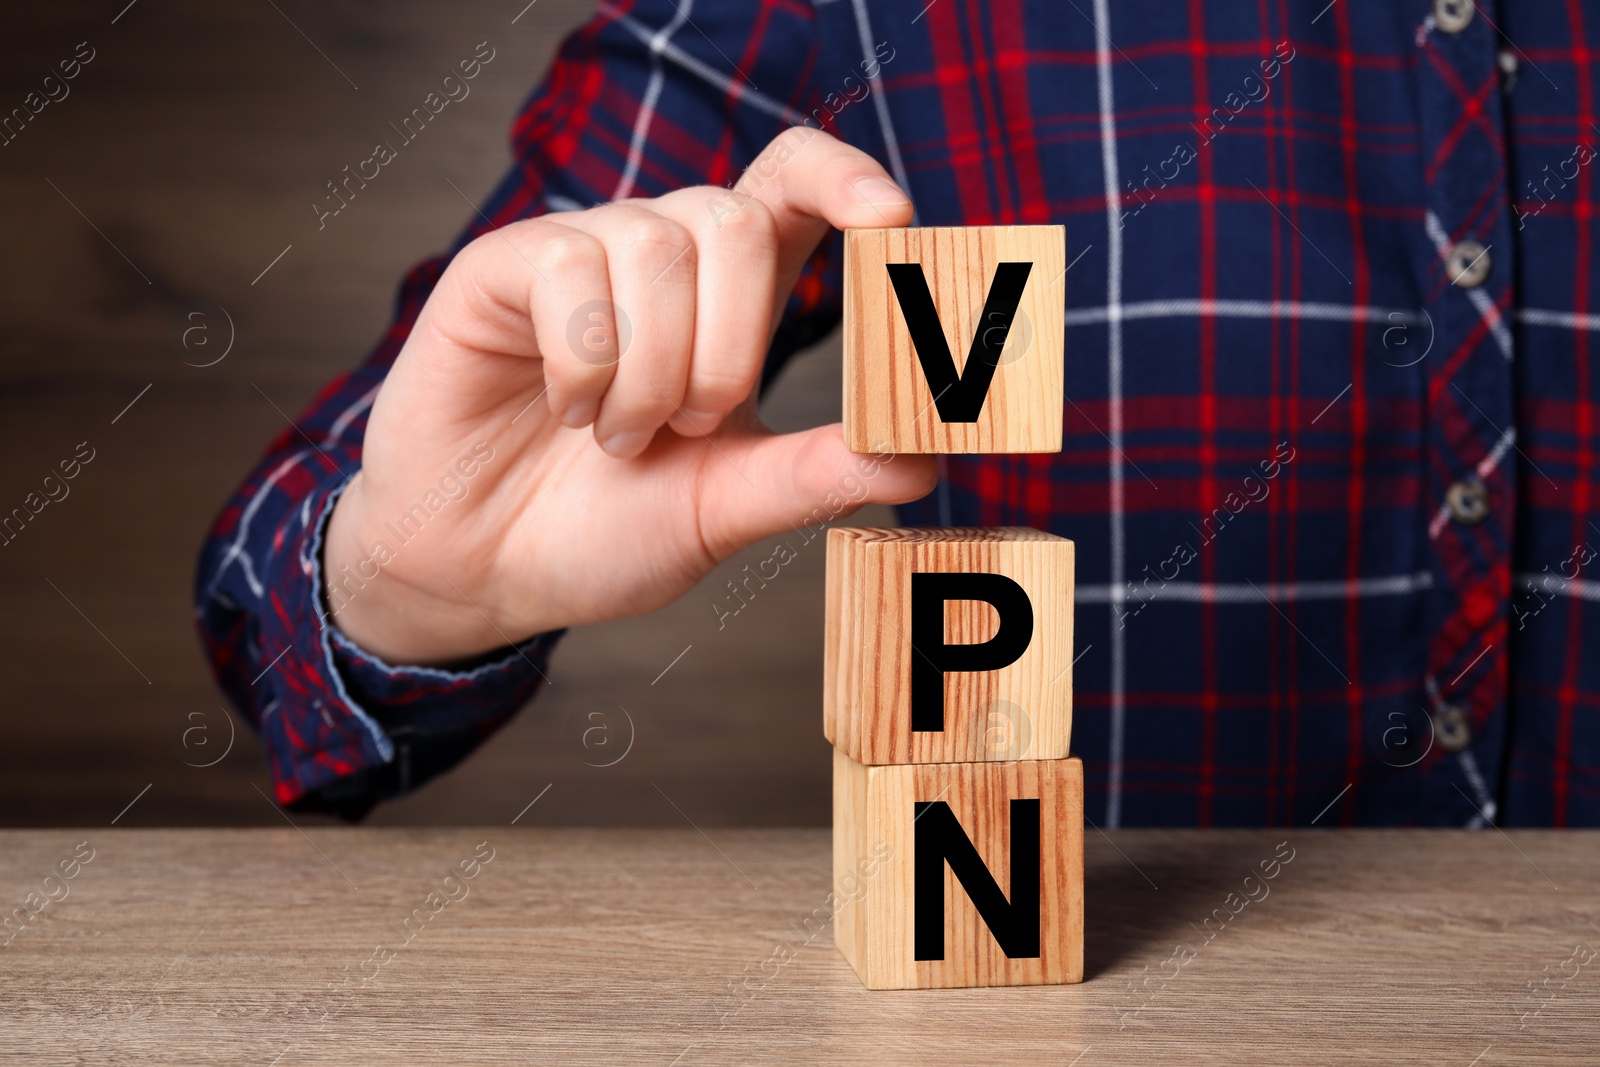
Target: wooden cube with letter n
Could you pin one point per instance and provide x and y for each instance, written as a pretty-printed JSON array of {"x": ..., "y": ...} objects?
[
  {"x": 976, "y": 875},
  {"x": 953, "y": 339}
]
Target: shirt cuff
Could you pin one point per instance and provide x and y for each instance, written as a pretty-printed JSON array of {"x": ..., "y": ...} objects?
[{"x": 347, "y": 729}]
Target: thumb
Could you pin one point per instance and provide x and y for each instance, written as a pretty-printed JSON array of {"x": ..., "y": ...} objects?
[{"x": 773, "y": 483}]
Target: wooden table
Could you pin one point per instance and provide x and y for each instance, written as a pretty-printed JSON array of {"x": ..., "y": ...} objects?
[{"x": 669, "y": 947}]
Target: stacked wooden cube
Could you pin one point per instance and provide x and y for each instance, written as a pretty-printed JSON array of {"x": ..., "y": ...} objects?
[{"x": 957, "y": 808}]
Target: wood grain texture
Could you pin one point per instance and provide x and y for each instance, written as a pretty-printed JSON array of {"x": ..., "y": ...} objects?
[
  {"x": 874, "y": 856},
  {"x": 888, "y": 405},
  {"x": 626, "y": 947},
  {"x": 1022, "y": 711}
]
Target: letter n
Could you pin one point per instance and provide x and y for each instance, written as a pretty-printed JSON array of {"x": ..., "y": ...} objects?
[{"x": 1013, "y": 918}]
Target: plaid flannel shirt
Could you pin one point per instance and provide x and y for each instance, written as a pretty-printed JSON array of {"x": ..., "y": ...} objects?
[{"x": 1330, "y": 447}]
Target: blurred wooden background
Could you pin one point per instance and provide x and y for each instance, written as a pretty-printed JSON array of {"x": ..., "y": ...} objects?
[{"x": 142, "y": 205}]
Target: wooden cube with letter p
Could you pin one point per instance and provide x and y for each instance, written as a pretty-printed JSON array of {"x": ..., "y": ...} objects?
[
  {"x": 959, "y": 874},
  {"x": 953, "y": 339},
  {"x": 948, "y": 645}
]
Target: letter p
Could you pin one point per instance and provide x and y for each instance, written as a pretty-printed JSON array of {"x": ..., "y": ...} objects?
[{"x": 932, "y": 658}]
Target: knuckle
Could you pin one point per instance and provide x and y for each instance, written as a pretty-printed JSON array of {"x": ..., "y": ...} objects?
[
  {"x": 796, "y": 137},
  {"x": 771, "y": 161},
  {"x": 841, "y": 167},
  {"x": 655, "y": 244},
  {"x": 479, "y": 257},
  {"x": 749, "y": 224},
  {"x": 561, "y": 251}
]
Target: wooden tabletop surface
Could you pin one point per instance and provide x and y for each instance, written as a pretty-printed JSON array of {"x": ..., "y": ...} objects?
[{"x": 286, "y": 947}]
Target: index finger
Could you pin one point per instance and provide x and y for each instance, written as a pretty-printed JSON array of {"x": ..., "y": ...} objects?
[{"x": 810, "y": 181}]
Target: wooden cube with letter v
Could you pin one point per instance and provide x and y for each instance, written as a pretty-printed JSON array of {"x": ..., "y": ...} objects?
[{"x": 953, "y": 339}]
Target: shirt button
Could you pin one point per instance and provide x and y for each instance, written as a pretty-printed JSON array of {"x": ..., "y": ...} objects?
[
  {"x": 1450, "y": 730},
  {"x": 1467, "y": 501},
  {"x": 1508, "y": 69},
  {"x": 1468, "y": 264},
  {"x": 1452, "y": 16}
]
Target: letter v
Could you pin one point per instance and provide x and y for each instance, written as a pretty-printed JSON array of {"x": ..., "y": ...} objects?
[{"x": 959, "y": 397}]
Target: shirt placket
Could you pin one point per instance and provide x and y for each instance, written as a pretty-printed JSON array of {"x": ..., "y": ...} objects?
[{"x": 1469, "y": 485}]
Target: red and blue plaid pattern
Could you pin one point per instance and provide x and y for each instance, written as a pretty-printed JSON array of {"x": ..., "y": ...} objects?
[{"x": 1333, "y": 510}]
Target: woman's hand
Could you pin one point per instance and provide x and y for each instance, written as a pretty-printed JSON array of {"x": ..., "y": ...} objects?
[{"x": 564, "y": 478}]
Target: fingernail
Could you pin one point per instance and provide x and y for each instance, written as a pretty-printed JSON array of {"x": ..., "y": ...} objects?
[
  {"x": 880, "y": 192},
  {"x": 580, "y": 414},
  {"x": 700, "y": 421},
  {"x": 625, "y": 445}
]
